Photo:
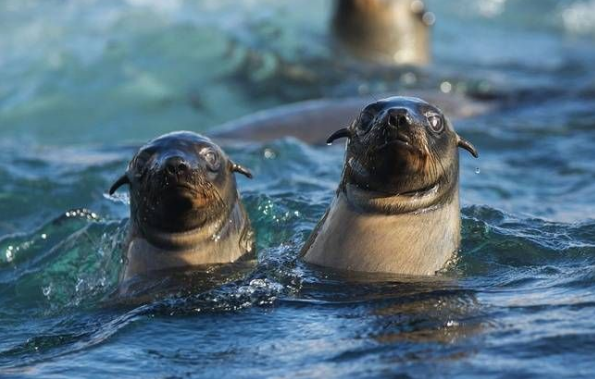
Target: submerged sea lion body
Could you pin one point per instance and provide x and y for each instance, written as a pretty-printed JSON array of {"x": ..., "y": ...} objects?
[
  {"x": 397, "y": 207},
  {"x": 384, "y": 31},
  {"x": 185, "y": 209},
  {"x": 314, "y": 120}
]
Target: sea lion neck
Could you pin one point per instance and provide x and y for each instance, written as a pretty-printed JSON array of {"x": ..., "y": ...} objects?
[
  {"x": 381, "y": 203},
  {"x": 183, "y": 240}
]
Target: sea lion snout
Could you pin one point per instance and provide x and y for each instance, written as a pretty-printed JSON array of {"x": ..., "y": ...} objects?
[
  {"x": 398, "y": 118},
  {"x": 175, "y": 166}
]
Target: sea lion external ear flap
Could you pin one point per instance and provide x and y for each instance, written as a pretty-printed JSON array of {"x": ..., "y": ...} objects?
[
  {"x": 242, "y": 170},
  {"x": 341, "y": 133},
  {"x": 119, "y": 183},
  {"x": 461, "y": 142}
]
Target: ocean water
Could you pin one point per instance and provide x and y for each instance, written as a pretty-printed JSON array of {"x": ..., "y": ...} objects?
[{"x": 82, "y": 83}]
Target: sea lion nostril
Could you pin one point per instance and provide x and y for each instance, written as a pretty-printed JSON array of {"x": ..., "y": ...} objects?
[
  {"x": 397, "y": 117},
  {"x": 182, "y": 167},
  {"x": 393, "y": 121},
  {"x": 176, "y": 165}
]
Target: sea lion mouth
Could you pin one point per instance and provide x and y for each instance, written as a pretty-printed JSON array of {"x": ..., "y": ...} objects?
[
  {"x": 402, "y": 140},
  {"x": 420, "y": 192},
  {"x": 181, "y": 188},
  {"x": 184, "y": 195}
]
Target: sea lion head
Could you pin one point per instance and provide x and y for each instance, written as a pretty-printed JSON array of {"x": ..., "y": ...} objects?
[
  {"x": 384, "y": 31},
  {"x": 179, "y": 183},
  {"x": 402, "y": 146}
]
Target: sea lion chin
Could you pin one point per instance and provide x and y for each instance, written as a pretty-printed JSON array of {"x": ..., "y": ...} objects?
[
  {"x": 396, "y": 209},
  {"x": 182, "y": 194}
]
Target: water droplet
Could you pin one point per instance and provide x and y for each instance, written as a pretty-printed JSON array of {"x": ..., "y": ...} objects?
[{"x": 477, "y": 170}]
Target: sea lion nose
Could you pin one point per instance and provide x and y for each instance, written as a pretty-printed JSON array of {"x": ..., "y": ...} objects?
[
  {"x": 176, "y": 165},
  {"x": 398, "y": 117}
]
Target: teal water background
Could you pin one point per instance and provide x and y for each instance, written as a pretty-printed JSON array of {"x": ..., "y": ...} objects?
[{"x": 82, "y": 83}]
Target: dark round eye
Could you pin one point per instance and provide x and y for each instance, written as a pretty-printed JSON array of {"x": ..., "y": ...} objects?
[
  {"x": 140, "y": 161},
  {"x": 212, "y": 159},
  {"x": 436, "y": 123},
  {"x": 365, "y": 121}
]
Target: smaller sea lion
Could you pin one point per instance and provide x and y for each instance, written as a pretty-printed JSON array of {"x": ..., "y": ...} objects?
[
  {"x": 185, "y": 209},
  {"x": 396, "y": 209},
  {"x": 384, "y": 31}
]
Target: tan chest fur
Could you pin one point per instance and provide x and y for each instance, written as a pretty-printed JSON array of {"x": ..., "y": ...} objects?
[
  {"x": 415, "y": 243},
  {"x": 224, "y": 245}
]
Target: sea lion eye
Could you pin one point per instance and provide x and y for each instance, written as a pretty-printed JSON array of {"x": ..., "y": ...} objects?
[
  {"x": 211, "y": 158},
  {"x": 141, "y": 161},
  {"x": 365, "y": 121},
  {"x": 436, "y": 123}
]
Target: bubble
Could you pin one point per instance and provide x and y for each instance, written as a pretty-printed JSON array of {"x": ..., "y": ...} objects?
[
  {"x": 47, "y": 290},
  {"x": 429, "y": 18},
  {"x": 408, "y": 78},
  {"x": 44, "y": 236},
  {"x": 477, "y": 170},
  {"x": 417, "y": 6},
  {"x": 446, "y": 87},
  {"x": 9, "y": 254},
  {"x": 269, "y": 154}
]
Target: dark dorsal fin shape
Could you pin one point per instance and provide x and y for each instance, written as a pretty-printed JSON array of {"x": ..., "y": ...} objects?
[
  {"x": 341, "y": 133},
  {"x": 463, "y": 143},
  {"x": 119, "y": 183}
]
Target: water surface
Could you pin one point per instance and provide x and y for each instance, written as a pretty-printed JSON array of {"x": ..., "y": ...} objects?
[{"x": 82, "y": 83}]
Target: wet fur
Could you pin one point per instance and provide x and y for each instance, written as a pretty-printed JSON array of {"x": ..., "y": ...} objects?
[
  {"x": 396, "y": 209},
  {"x": 171, "y": 227},
  {"x": 388, "y": 32}
]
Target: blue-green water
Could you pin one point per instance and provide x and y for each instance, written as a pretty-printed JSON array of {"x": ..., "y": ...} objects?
[{"x": 83, "y": 82}]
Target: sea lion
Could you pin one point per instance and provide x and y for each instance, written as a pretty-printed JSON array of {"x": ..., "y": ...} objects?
[
  {"x": 185, "y": 209},
  {"x": 396, "y": 209},
  {"x": 384, "y": 31},
  {"x": 313, "y": 121}
]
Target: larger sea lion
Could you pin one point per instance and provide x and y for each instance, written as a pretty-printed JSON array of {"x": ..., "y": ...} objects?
[
  {"x": 185, "y": 209},
  {"x": 384, "y": 31},
  {"x": 396, "y": 209}
]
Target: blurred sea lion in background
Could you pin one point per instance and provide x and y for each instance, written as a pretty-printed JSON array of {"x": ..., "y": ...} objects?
[
  {"x": 388, "y": 32},
  {"x": 314, "y": 120},
  {"x": 384, "y": 31},
  {"x": 396, "y": 209},
  {"x": 185, "y": 209}
]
